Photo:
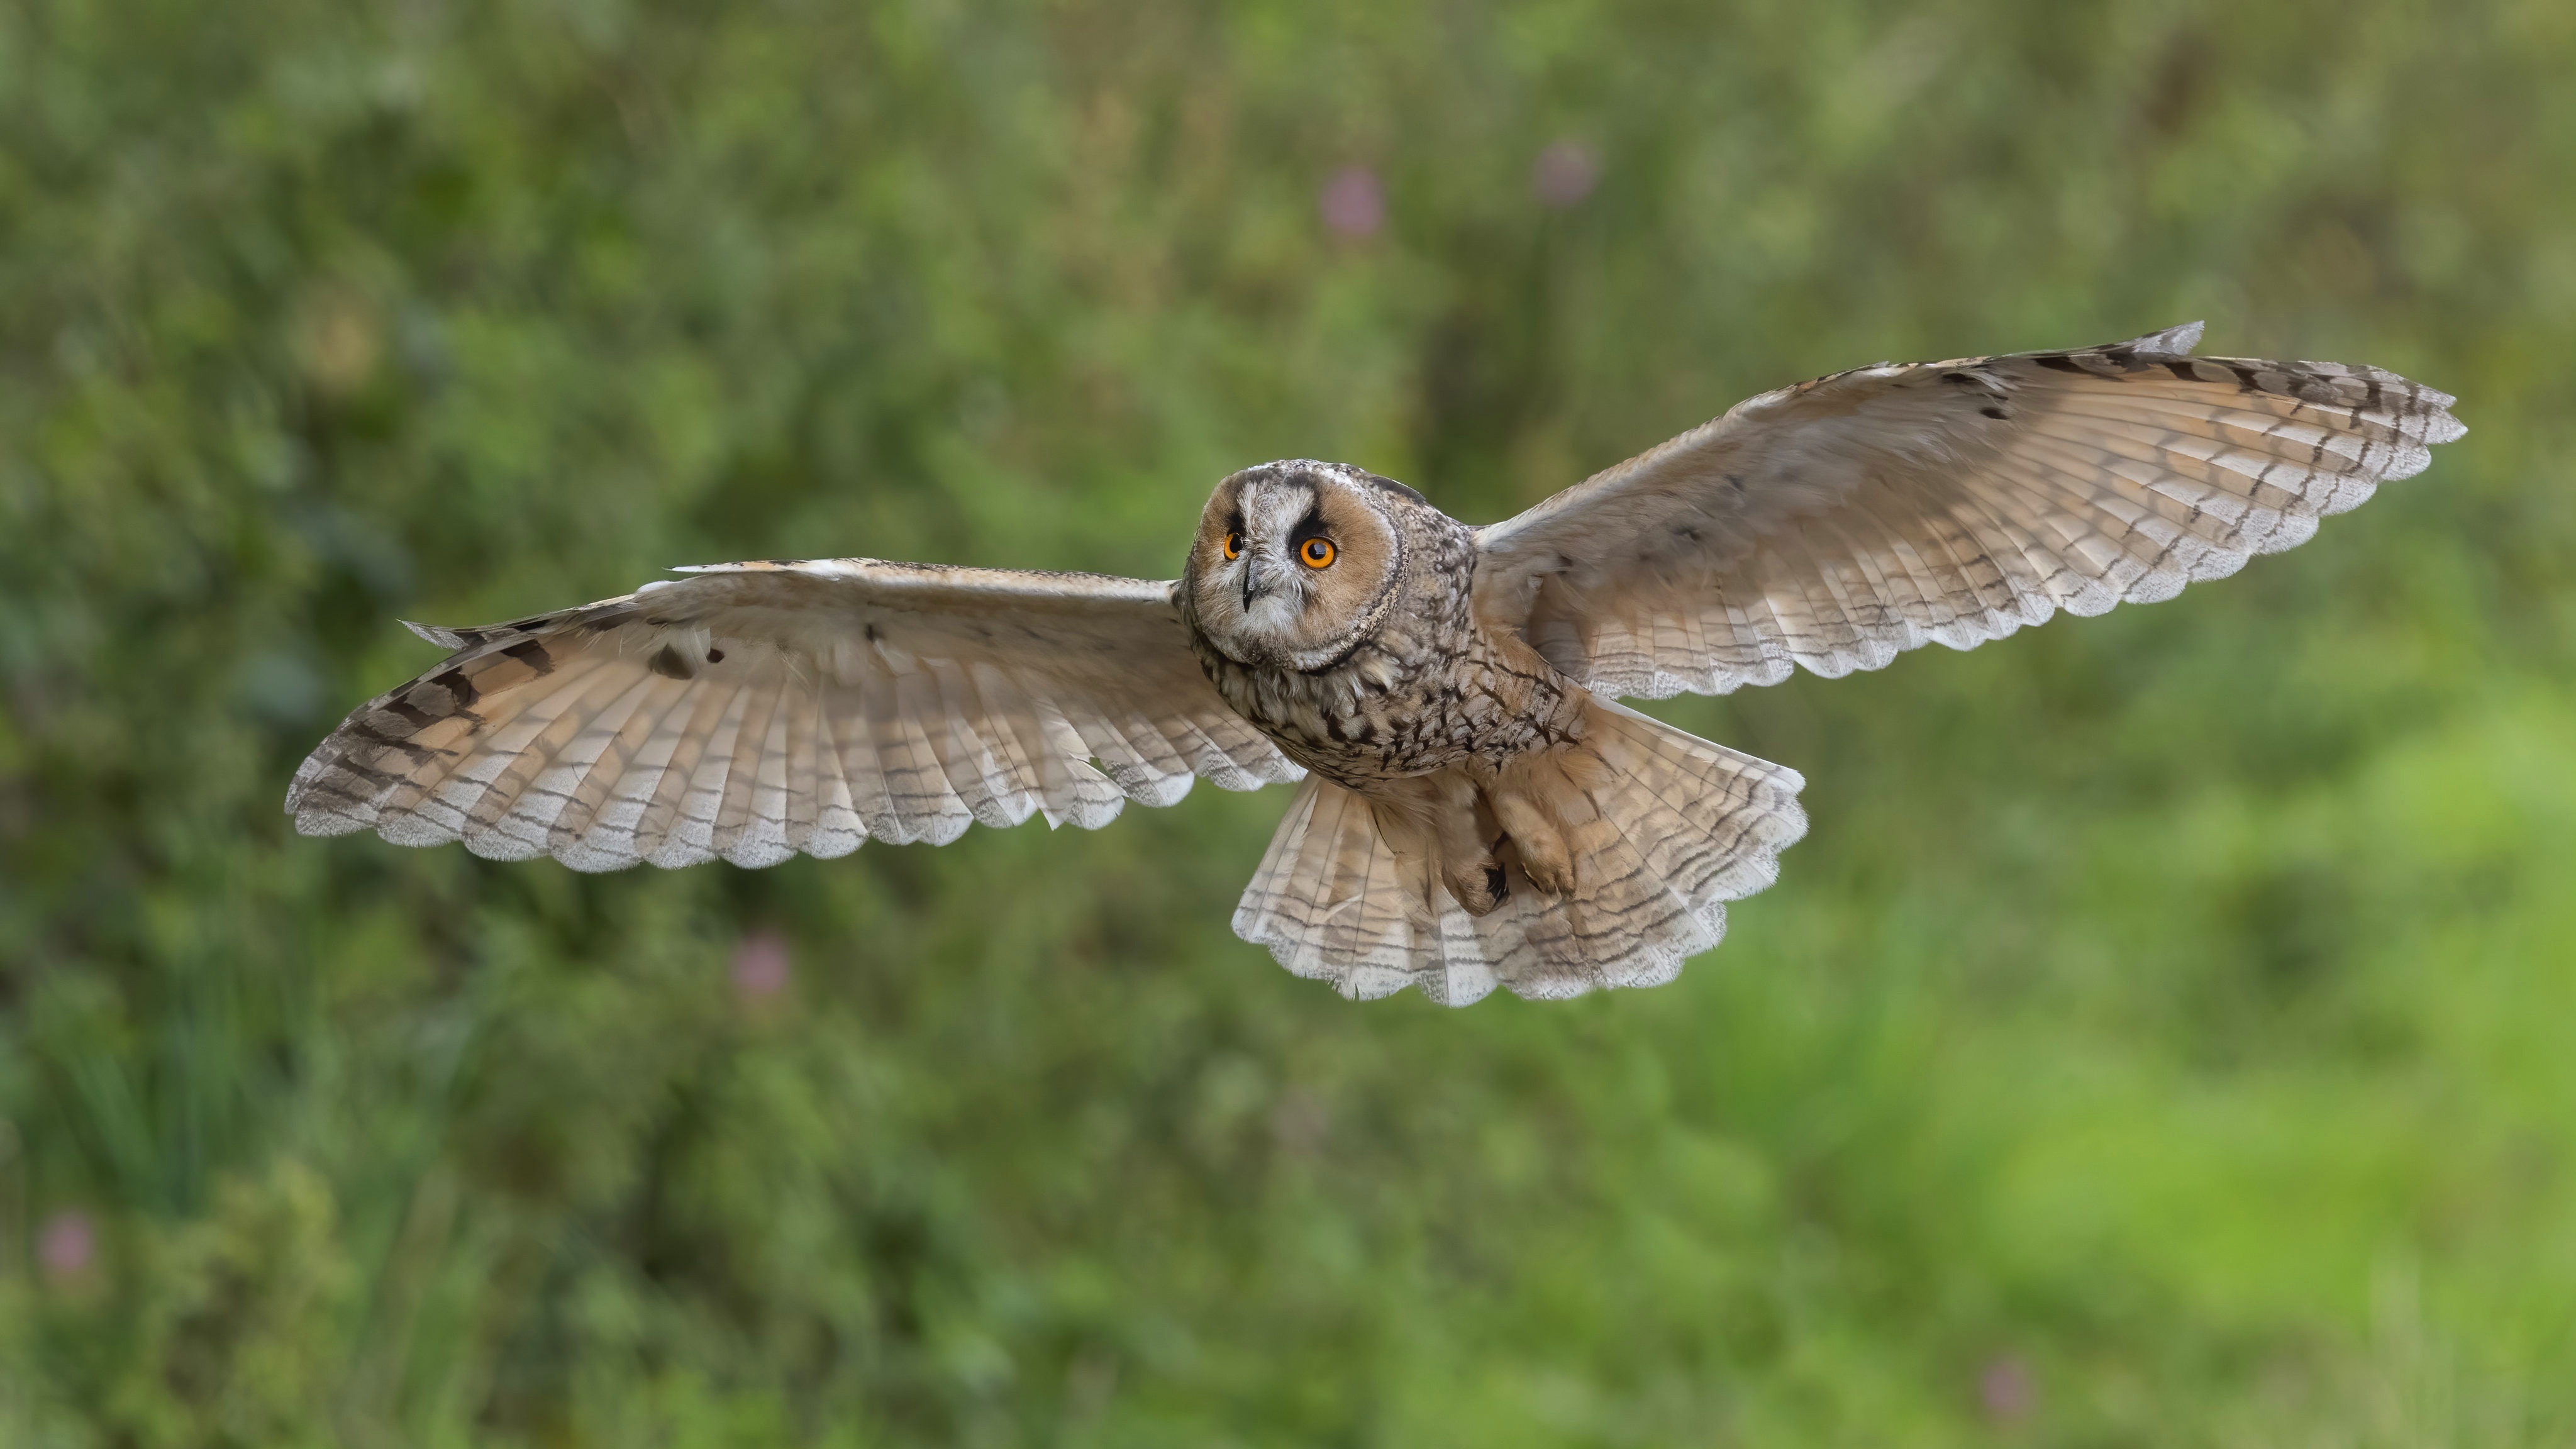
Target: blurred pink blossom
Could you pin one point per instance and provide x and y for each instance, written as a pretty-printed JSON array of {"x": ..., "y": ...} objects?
[
  {"x": 1353, "y": 202},
  {"x": 67, "y": 1244},
  {"x": 1564, "y": 173},
  {"x": 761, "y": 968},
  {"x": 2007, "y": 1389}
]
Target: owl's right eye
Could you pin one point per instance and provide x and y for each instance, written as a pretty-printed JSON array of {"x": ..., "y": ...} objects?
[{"x": 1234, "y": 545}]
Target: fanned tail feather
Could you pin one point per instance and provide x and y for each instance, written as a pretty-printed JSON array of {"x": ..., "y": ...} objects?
[{"x": 1667, "y": 828}]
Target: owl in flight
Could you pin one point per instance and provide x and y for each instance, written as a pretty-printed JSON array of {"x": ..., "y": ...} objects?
[{"x": 1477, "y": 810}]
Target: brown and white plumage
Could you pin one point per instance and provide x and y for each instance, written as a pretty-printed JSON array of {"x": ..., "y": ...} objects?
[
  {"x": 1836, "y": 523},
  {"x": 1479, "y": 812},
  {"x": 753, "y": 711},
  {"x": 1667, "y": 828}
]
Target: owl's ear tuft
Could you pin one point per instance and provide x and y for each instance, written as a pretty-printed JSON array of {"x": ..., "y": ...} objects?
[{"x": 1389, "y": 485}]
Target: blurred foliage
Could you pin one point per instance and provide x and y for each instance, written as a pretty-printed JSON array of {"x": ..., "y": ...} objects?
[{"x": 2163, "y": 1039}]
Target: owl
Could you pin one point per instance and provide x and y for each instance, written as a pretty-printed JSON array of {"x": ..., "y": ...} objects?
[{"x": 1476, "y": 808}]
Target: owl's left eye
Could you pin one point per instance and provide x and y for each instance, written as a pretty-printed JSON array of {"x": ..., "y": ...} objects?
[
  {"x": 1234, "y": 545},
  {"x": 1318, "y": 552}
]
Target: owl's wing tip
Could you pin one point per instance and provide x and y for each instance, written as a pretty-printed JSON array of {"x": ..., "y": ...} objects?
[{"x": 2177, "y": 340}]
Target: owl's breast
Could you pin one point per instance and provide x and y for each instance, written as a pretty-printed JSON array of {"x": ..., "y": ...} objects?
[{"x": 1403, "y": 704}]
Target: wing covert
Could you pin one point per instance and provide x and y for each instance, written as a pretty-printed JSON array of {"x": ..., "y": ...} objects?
[
  {"x": 1839, "y": 522},
  {"x": 751, "y": 711}
]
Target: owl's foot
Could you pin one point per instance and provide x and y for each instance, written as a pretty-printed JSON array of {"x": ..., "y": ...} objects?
[
  {"x": 1478, "y": 886},
  {"x": 1551, "y": 871},
  {"x": 1429, "y": 824},
  {"x": 1532, "y": 828}
]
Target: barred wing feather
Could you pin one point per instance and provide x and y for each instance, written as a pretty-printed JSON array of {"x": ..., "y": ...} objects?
[
  {"x": 755, "y": 710},
  {"x": 1839, "y": 522}
]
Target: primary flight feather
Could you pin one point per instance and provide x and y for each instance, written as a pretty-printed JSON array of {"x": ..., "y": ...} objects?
[{"x": 1477, "y": 810}]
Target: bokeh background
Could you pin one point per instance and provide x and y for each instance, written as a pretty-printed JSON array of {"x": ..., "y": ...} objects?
[{"x": 2167, "y": 1035}]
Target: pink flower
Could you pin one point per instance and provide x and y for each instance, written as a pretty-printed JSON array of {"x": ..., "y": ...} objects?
[
  {"x": 761, "y": 967},
  {"x": 2007, "y": 1390},
  {"x": 1353, "y": 203},
  {"x": 67, "y": 1244},
  {"x": 1564, "y": 173}
]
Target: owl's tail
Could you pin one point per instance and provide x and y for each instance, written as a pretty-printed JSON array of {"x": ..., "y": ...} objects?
[{"x": 1660, "y": 828}]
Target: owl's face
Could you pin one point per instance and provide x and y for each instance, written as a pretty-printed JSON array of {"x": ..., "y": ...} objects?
[{"x": 1296, "y": 562}]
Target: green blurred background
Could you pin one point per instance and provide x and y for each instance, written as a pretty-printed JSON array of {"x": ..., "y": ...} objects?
[{"x": 2163, "y": 1038}]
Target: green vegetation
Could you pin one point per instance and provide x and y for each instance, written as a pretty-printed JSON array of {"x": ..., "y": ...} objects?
[{"x": 2167, "y": 1035}]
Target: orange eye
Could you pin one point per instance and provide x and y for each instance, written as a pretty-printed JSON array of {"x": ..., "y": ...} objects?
[
  {"x": 1318, "y": 552},
  {"x": 1234, "y": 545}
]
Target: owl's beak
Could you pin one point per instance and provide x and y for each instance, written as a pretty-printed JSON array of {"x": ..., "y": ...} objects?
[{"x": 1260, "y": 579}]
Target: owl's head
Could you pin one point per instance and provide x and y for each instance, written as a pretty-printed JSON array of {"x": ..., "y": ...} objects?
[{"x": 1298, "y": 561}]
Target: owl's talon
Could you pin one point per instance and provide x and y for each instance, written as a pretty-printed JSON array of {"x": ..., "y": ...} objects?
[
  {"x": 1480, "y": 887},
  {"x": 1536, "y": 841},
  {"x": 1554, "y": 876}
]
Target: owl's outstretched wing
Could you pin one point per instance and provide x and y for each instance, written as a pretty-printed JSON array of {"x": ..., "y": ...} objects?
[
  {"x": 754, "y": 710},
  {"x": 1839, "y": 522}
]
